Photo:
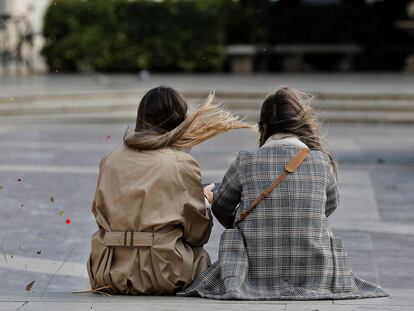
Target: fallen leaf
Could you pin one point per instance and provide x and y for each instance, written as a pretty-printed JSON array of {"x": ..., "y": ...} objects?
[
  {"x": 52, "y": 199},
  {"x": 29, "y": 286},
  {"x": 61, "y": 212}
]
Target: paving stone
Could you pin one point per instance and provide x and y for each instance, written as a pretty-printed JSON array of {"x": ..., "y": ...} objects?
[
  {"x": 6, "y": 306},
  {"x": 394, "y": 187},
  {"x": 70, "y": 306}
]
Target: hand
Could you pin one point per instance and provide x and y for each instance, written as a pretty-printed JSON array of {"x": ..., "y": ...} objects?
[{"x": 208, "y": 193}]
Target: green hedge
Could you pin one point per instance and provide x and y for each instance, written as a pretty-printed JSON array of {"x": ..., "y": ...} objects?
[
  {"x": 119, "y": 35},
  {"x": 191, "y": 35}
]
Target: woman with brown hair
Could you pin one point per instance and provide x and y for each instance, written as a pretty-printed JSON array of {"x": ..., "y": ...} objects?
[
  {"x": 149, "y": 202},
  {"x": 274, "y": 203}
]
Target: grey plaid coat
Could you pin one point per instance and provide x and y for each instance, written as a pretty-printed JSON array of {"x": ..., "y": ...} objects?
[{"x": 285, "y": 248}]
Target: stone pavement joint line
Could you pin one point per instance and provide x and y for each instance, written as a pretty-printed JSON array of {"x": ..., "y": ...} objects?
[
  {"x": 39, "y": 265},
  {"x": 67, "y": 301}
]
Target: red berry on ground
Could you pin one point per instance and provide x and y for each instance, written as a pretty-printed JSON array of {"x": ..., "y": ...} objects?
[{"x": 68, "y": 221}]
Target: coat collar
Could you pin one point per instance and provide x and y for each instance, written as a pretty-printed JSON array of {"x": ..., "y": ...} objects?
[{"x": 283, "y": 139}]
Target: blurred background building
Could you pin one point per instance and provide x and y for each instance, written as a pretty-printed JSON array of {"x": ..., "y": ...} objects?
[
  {"x": 21, "y": 37},
  {"x": 207, "y": 35}
]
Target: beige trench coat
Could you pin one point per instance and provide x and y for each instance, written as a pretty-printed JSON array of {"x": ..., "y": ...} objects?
[{"x": 153, "y": 222}]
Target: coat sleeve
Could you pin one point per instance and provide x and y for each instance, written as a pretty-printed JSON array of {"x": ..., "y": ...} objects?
[
  {"x": 97, "y": 199},
  {"x": 332, "y": 194},
  {"x": 196, "y": 217},
  {"x": 227, "y": 198}
]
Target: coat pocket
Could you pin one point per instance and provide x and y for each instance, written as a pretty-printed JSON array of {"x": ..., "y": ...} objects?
[{"x": 342, "y": 278}]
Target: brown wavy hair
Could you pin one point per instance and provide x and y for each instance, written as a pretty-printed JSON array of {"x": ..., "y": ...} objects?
[
  {"x": 163, "y": 122},
  {"x": 288, "y": 111}
]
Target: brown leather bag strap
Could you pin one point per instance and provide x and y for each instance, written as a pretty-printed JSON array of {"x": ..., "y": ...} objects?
[{"x": 292, "y": 165}]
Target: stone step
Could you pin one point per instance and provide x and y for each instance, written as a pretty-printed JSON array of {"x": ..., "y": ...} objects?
[
  {"x": 349, "y": 116},
  {"x": 135, "y": 95},
  {"x": 130, "y": 104},
  {"x": 128, "y": 116},
  {"x": 196, "y": 94},
  {"x": 333, "y": 105},
  {"x": 122, "y": 105}
]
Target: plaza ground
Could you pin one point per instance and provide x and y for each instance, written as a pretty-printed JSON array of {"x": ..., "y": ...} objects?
[{"x": 48, "y": 171}]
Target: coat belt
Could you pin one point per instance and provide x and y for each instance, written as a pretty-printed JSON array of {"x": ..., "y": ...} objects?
[{"x": 129, "y": 238}]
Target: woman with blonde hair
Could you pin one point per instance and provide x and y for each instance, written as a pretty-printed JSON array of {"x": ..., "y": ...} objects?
[
  {"x": 149, "y": 203},
  {"x": 274, "y": 203}
]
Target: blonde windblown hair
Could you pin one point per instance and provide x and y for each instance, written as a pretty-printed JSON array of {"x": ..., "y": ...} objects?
[{"x": 204, "y": 122}]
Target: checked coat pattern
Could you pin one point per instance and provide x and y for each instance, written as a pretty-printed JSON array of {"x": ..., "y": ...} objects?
[{"x": 285, "y": 248}]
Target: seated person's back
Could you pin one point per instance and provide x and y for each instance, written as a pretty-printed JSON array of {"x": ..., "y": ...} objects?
[{"x": 153, "y": 222}]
